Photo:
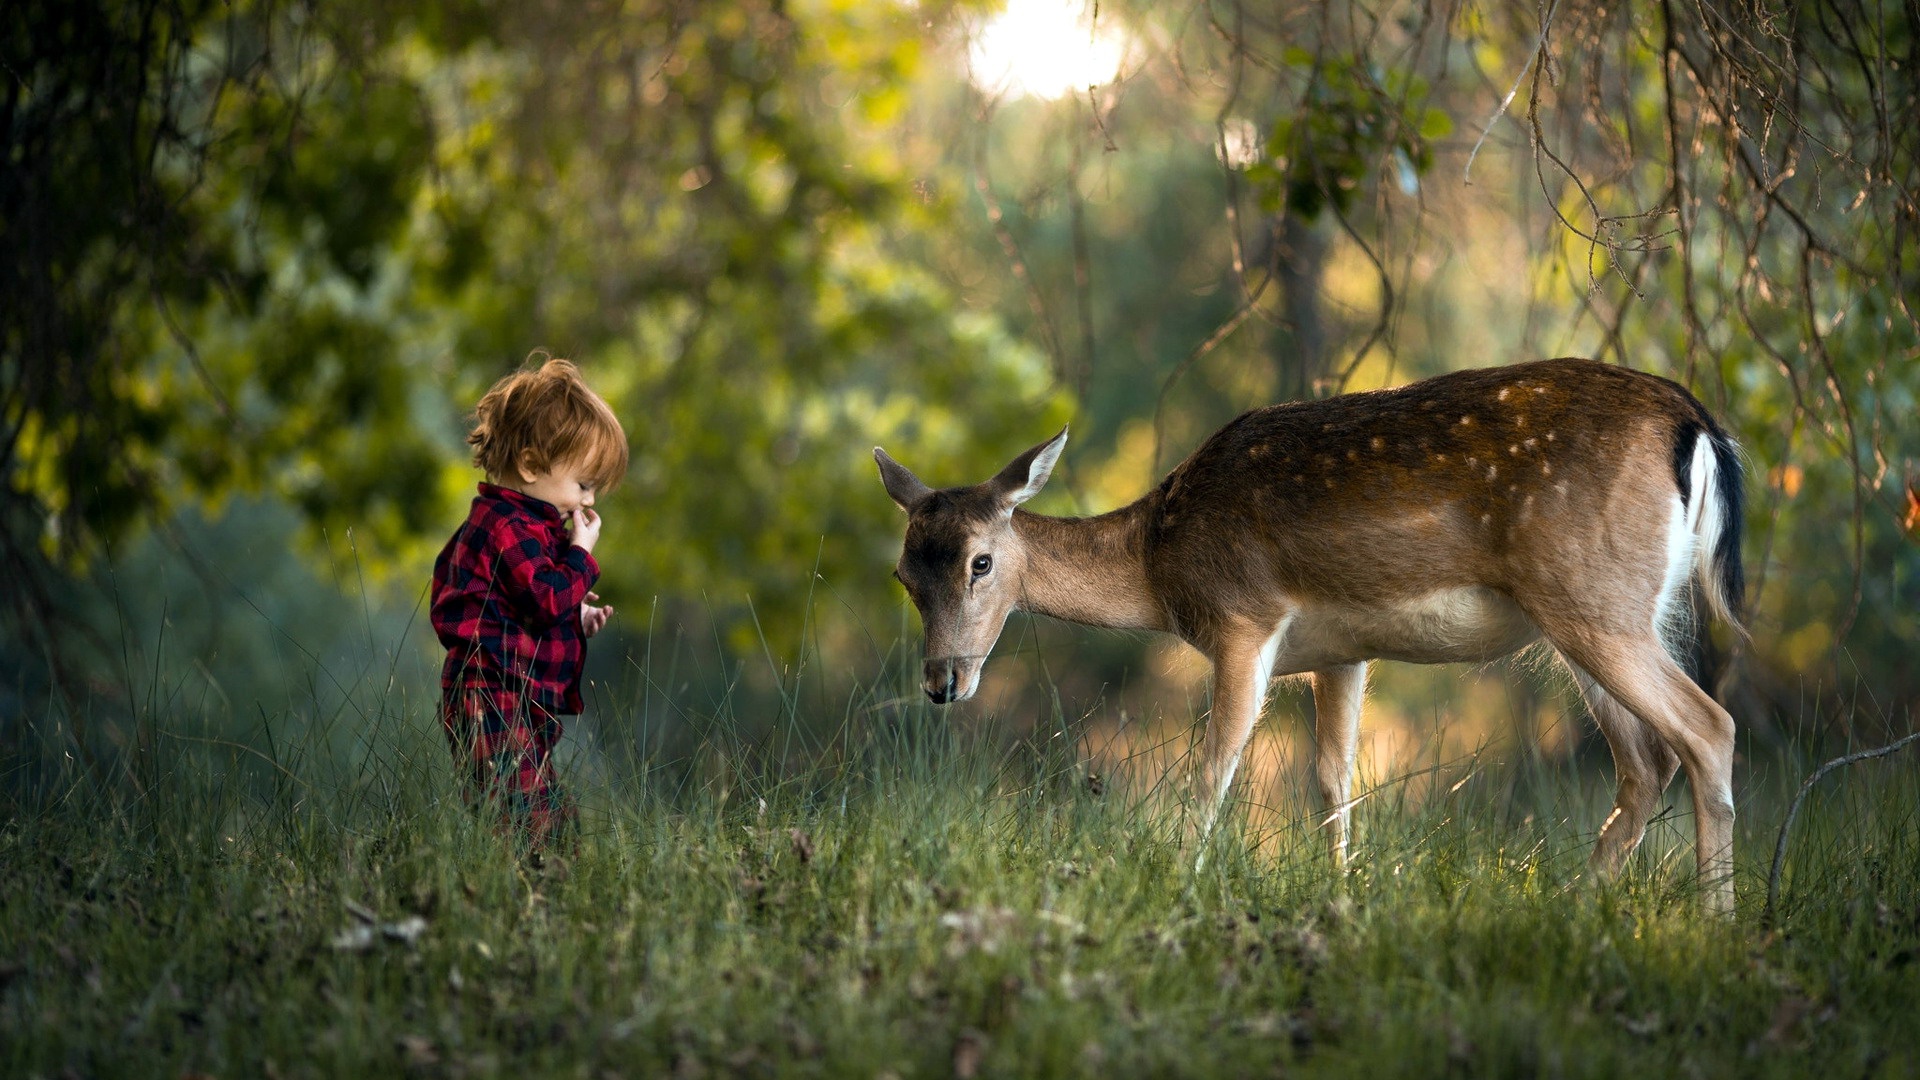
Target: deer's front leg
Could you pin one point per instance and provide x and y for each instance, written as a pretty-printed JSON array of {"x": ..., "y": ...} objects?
[{"x": 1242, "y": 664}]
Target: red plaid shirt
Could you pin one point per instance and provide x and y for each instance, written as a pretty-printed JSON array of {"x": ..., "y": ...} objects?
[{"x": 507, "y": 591}]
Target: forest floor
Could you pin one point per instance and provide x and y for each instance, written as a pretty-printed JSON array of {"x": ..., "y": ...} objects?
[{"x": 931, "y": 904}]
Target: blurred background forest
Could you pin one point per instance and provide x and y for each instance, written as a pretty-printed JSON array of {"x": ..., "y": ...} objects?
[{"x": 258, "y": 259}]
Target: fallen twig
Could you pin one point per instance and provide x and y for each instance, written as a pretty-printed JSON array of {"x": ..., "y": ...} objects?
[{"x": 1780, "y": 845}]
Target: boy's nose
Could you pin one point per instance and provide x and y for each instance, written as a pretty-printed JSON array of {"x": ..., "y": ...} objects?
[{"x": 586, "y": 498}]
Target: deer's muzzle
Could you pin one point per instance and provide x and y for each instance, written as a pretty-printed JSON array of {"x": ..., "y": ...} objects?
[{"x": 951, "y": 678}]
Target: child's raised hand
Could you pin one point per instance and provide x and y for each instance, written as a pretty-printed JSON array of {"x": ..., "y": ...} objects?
[
  {"x": 586, "y": 528},
  {"x": 593, "y": 616}
]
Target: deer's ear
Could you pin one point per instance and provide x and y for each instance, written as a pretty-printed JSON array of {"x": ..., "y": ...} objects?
[
  {"x": 1023, "y": 478},
  {"x": 902, "y": 486}
]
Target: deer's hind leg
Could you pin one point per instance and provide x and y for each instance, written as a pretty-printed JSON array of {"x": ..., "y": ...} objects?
[
  {"x": 1635, "y": 670},
  {"x": 1337, "y": 696},
  {"x": 1643, "y": 767}
]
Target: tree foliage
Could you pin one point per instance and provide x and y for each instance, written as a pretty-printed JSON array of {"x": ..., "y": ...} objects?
[
  {"x": 316, "y": 232},
  {"x": 280, "y": 246}
]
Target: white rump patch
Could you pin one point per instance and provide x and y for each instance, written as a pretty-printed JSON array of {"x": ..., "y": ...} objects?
[{"x": 1670, "y": 619}]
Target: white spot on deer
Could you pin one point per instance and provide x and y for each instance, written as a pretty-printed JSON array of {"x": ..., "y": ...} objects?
[
  {"x": 1539, "y": 389},
  {"x": 1561, "y": 487},
  {"x": 1546, "y": 468},
  {"x": 1493, "y": 471},
  {"x": 1549, "y": 436},
  {"x": 1504, "y": 391},
  {"x": 1531, "y": 443},
  {"x": 1466, "y": 421},
  {"x": 1379, "y": 443},
  {"x": 1514, "y": 449},
  {"x": 1486, "y": 519}
]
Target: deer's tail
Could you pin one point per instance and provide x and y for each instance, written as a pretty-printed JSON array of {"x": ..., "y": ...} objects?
[{"x": 1712, "y": 485}]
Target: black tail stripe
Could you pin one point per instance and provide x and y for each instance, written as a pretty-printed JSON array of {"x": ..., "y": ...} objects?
[
  {"x": 1732, "y": 491},
  {"x": 1683, "y": 440}
]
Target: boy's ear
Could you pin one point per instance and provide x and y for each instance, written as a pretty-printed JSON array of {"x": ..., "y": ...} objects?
[{"x": 528, "y": 474}]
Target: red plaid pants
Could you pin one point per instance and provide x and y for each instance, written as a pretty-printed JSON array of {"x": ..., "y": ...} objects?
[{"x": 503, "y": 746}]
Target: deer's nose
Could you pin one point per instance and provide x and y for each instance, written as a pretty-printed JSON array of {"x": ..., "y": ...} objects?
[{"x": 943, "y": 681}]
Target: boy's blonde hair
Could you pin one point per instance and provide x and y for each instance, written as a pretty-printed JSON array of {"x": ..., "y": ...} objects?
[{"x": 546, "y": 416}]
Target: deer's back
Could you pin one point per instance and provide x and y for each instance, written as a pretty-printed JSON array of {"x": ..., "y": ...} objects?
[{"x": 1454, "y": 481}]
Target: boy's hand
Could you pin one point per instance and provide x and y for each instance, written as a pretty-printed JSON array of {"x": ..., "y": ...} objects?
[
  {"x": 592, "y": 616},
  {"x": 586, "y": 529}
]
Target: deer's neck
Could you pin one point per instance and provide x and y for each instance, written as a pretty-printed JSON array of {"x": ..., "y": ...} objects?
[{"x": 1089, "y": 570}]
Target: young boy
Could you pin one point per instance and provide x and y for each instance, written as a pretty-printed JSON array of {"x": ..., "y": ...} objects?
[{"x": 512, "y": 599}]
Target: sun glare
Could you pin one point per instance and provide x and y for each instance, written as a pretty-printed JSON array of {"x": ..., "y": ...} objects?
[{"x": 1045, "y": 49}]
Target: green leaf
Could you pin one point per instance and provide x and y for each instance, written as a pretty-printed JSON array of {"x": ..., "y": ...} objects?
[{"x": 1435, "y": 123}]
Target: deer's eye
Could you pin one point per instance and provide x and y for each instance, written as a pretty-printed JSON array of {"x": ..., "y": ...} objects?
[{"x": 981, "y": 565}]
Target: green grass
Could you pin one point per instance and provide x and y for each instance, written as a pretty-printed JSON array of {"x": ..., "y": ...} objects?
[{"x": 913, "y": 899}]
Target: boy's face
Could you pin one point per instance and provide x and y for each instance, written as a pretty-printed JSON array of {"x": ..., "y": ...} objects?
[{"x": 566, "y": 486}]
